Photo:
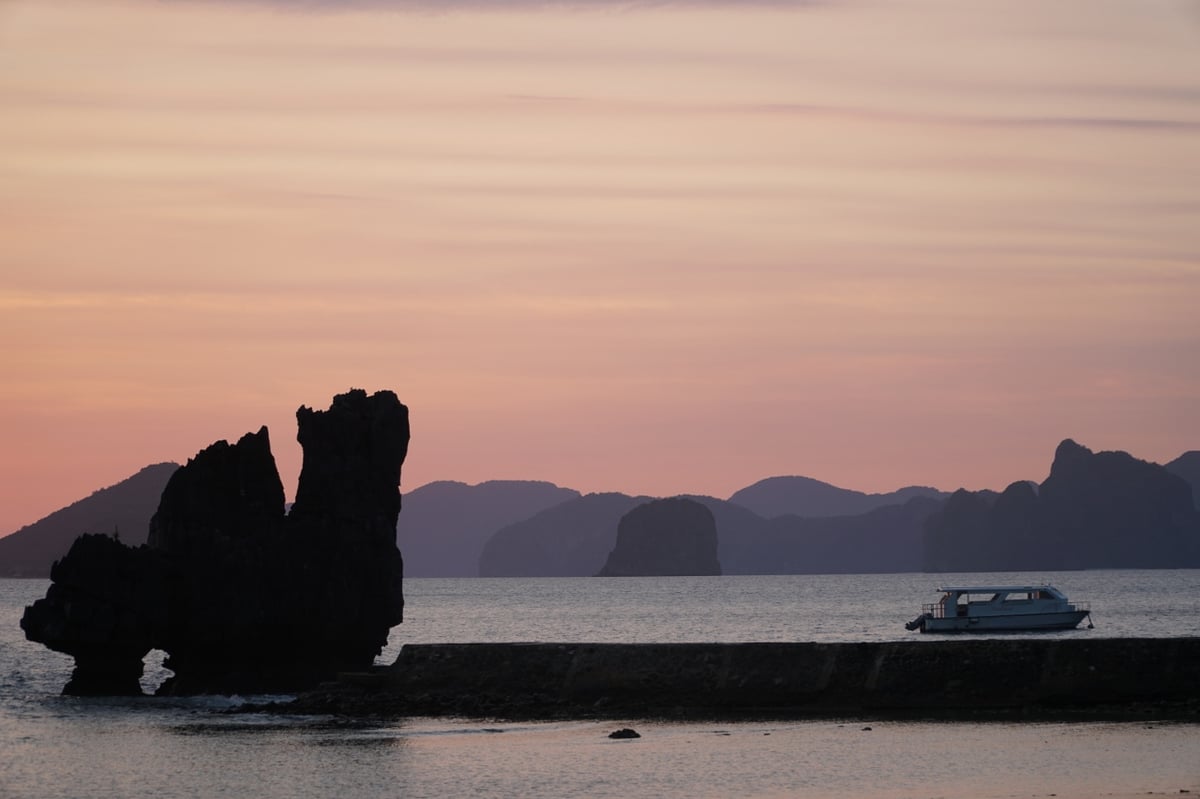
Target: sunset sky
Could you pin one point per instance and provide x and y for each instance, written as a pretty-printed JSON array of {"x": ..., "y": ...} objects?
[{"x": 660, "y": 247}]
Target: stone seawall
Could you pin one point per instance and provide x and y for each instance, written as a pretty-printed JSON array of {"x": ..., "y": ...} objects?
[{"x": 1023, "y": 677}]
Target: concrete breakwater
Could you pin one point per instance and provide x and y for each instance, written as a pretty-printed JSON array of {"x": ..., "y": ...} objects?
[{"x": 1022, "y": 677}]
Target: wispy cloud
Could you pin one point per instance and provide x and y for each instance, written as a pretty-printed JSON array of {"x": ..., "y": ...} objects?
[
  {"x": 166, "y": 102},
  {"x": 973, "y": 120}
]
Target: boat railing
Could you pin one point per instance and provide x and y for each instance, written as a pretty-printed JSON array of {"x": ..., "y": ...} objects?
[{"x": 938, "y": 611}]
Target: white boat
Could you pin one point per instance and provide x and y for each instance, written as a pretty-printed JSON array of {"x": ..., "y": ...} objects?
[{"x": 1000, "y": 608}]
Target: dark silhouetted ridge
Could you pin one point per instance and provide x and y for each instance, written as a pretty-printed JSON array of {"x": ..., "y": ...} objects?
[
  {"x": 1187, "y": 466},
  {"x": 445, "y": 524},
  {"x": 571, "y": 539},
  {"x": 804, "y": 496},
  {"x": 1096, "y": 510},
  {"x": 125, "y": 507}
]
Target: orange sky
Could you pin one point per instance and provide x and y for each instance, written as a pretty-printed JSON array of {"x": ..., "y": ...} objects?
[{"x": 655, "y": 248}]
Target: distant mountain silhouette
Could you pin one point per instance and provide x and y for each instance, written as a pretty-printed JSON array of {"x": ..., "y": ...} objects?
[
  {"x": 1187, "y": 466},
  {"x": 1095, "y": 511},
  {"x": 571, "y": 539},
  {"x": 804, "y": 496},
  {"x": 885, "y": 539},
  {"x": 742, "y": 537},
  {"x": 444, "y": 525},
  {"x": 664, "y": 537},
  {"x": 125, "y": 507}
]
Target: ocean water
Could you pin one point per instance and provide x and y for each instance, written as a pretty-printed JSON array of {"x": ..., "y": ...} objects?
[{"x": 55, "y": 746}]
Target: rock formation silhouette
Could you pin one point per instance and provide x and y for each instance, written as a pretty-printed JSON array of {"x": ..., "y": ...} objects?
[
  {"x": 666, "y": 537},
  {"x": 1096, "y": 510},
  {"x": 242, "y": 596}
]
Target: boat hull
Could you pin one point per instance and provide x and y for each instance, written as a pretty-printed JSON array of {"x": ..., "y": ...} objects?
[{"x": 1023, "y": 622}]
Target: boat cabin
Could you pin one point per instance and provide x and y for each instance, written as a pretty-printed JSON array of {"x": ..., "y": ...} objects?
[
  {"x": 997, "y": 600},
  {"x": 995, "y": 608}
]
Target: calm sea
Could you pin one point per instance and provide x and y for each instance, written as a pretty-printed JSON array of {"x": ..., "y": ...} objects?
[{"x": 54, "y": 746}]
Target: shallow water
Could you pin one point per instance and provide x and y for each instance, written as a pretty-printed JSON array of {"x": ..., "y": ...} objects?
[{"x": 54, "y": 746}]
